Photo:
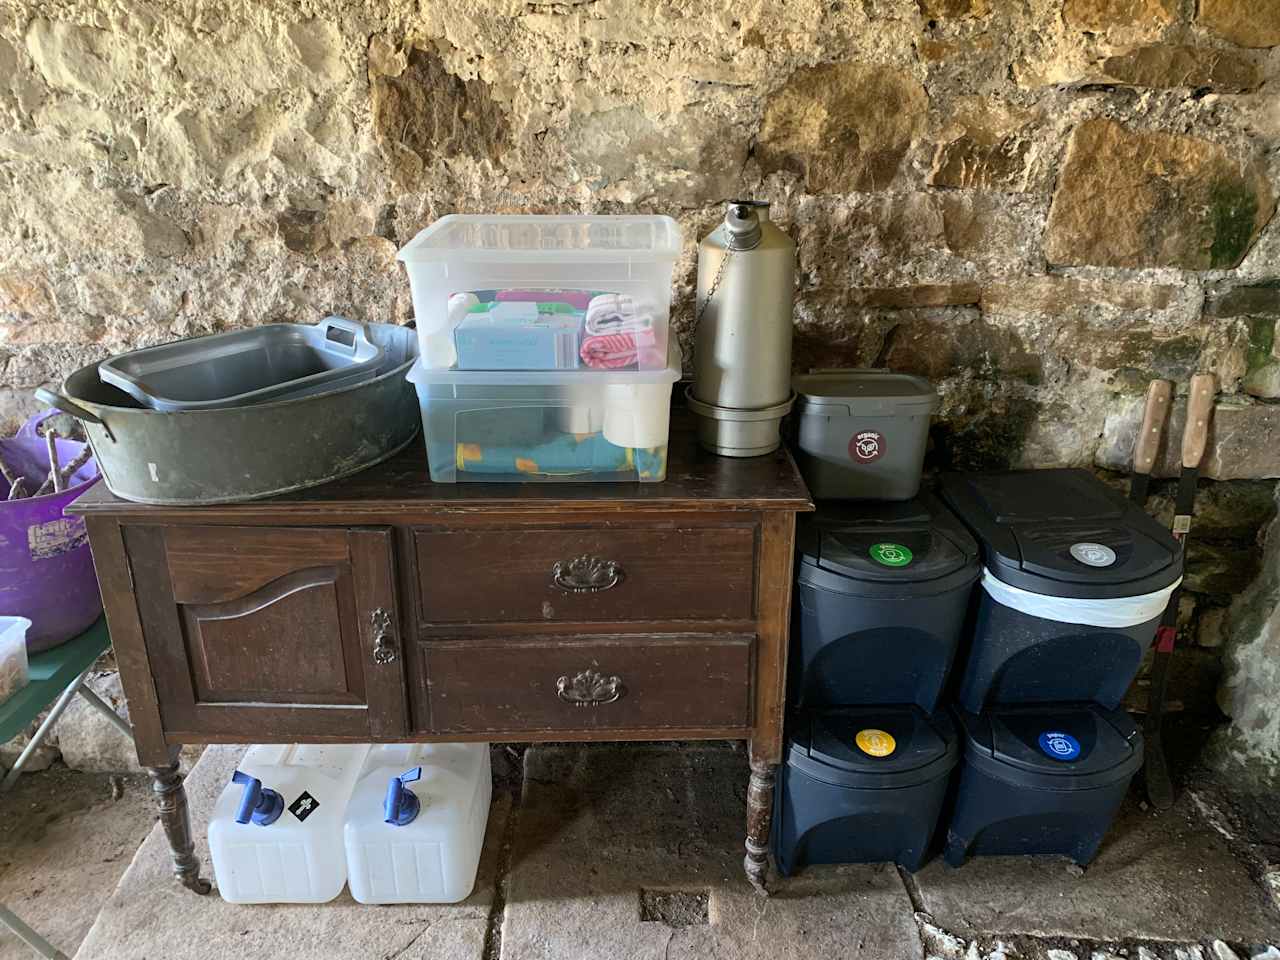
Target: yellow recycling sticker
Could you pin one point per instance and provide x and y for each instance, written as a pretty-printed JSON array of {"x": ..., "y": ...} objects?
[{"x": 875, "y": 743}]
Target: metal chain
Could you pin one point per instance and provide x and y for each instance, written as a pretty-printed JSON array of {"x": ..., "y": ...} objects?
[{"x": 730, "y": 250}]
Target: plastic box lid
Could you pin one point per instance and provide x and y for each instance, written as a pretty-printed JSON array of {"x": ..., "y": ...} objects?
[
  {"x": 848, "y": 746},
  {"x": 1060, "y": 746},
  {"x": 870, "y": 549},
  {"x": 546, "y": 238},
  {"x": 863, "y": 393},
  {"x": 1040, "y": 530},
  {"x": 424, "y": 376}
]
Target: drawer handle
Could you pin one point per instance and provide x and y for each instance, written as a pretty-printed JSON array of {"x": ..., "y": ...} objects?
[
  {"x": 589, "y": 689},
  {"x": 384, "y": 646},
  {"x": 586, "y": 574}
]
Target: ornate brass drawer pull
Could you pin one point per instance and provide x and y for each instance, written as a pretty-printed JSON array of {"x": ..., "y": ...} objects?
[
  {"x": 586, "y": 574},
  {"x": 589, "y": 689},
  {"x": 384, "y": 645}
]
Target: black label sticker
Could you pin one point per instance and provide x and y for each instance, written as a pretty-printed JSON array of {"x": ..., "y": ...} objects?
[{"x": 304, "y": 806}]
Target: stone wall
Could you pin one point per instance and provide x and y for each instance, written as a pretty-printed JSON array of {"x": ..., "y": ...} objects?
[{"x": 1039, "y": 204}]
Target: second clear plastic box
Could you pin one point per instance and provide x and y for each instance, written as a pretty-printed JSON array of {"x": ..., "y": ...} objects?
[
  {"x": 546, "y": 425},
  {"x": 463, "y": 261}
]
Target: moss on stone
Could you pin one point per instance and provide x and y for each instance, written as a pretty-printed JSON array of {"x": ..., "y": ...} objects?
[
  {"x": 1262, "y": 339},
  {"x": 1234, "y": 209}
]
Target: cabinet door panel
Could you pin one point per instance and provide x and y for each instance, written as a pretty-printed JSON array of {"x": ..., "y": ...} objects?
[
  {"x": 255, "y": 627},
  {"x": 235, "y": 654}
]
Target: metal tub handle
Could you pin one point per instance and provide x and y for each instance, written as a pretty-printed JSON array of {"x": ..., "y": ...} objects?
[{"x": 53, "y": 398}]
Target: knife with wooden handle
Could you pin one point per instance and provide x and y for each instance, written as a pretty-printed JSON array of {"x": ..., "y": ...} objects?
[
  {"x": 1147, "y": 446},
  {"x": 1195, "y": 439}
]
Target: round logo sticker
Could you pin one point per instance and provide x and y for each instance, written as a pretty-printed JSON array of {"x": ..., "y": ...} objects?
[
  {"x": 866, "y": 446},
  {"x": 1093, "y": 554},
  {"x": 875, "y": 743},
  {"x": 890, "y": 554},
  {"x": 1059, "y": 746}
]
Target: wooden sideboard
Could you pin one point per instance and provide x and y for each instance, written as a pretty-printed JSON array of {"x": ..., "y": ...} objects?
[{"x": 386, "y": 608}]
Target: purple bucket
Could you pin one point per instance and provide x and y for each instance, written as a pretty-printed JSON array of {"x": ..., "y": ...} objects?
[{"x": 46, "y": 569}]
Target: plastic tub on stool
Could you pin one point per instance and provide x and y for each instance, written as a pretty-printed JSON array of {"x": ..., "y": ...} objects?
[
  {"x": 1045, "y": 779},
  {"x": 861, "y": 434},
  {"x": 276, "y": 831},
  {"x": 862, "y": 785},
  {"x": 1075, "y": 579},
  {"x": 416, "y": 822},
  {"x": 881, "y": 597}
]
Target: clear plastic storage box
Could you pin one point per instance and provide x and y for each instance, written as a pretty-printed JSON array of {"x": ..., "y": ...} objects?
[
  {"x": 551, "y": 425},
  {"x": 13, "y": 655},
  {"x": 509, "y": 292}
]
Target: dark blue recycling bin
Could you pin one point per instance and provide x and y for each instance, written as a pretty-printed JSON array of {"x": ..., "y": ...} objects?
[
  {"x": 881, "y": 595},
  {"x": 1075, "y": 580},
  {"x": 1041, "y": 779},
  {"x": 862, "y": 785}
]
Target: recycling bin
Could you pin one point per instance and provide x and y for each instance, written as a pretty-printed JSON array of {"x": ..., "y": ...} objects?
[
  {"x": 862, "y": 434},
  {"x": 881, "y": 595},
  {"x": 1075, "y": 578},
  {"x": 1041, "y": 779},
  {"x": 862, "y": 785}
]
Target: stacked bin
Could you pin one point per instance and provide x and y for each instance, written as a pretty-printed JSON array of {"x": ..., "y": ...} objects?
[
  {"x": 883, "y": 582},
  {"x": 1075, "y": 579}
]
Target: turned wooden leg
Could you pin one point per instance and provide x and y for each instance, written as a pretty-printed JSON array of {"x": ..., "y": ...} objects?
[
  {"x": 171, "y": 801},
  {"x": 759, "y": 819}
]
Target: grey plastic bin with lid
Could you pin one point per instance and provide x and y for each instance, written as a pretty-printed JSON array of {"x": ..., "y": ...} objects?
[
  {"x": 862, "y": 785},
  {"x": 861, "y": 434},
  {"x": 881, "y": 595},
  {"x": 1045, "y": 779}
]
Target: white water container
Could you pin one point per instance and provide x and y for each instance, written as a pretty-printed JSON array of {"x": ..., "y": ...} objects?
[
  {"x": 276, "y": 831},
  {"x": 416, "y": 822}
]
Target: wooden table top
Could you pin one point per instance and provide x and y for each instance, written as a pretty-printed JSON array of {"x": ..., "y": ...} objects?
[{"x": 695, "y": 479}]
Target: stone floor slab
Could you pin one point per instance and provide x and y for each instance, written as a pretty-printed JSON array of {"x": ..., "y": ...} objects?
[
  {"x": 599, "y": 824},
  {"x": 150, "y": 916},
  {"x": 66, "y": 838},
  {"x": 1167, "y": 877}
]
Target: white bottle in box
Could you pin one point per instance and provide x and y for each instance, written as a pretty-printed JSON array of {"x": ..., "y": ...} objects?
[
  {"x": 416, "y": 822},
  {"x": 276, "y": 832}
]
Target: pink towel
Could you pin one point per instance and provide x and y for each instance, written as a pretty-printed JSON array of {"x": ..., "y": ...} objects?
[{"x": 611, "y": 351}]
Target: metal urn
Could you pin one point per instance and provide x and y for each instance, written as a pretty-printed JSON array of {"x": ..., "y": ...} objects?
[{"x": 742, "y": 347}]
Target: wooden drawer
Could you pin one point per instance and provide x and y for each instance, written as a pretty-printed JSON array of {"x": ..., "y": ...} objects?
[
  {"x": 562, "y": 684},
  {"x": 643, "y": 573}
]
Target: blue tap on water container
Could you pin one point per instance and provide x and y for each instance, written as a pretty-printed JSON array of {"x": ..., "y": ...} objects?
[
  {"x": 401, "y": 806},
  {"x": 260, "y": 804}
]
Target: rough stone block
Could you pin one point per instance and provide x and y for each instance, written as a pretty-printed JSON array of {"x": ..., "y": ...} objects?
[
  {"x": 1118, "y": 184},
  {"x": 87, "y": 739},
  {"x": 1242, "y": 441},
  {"x": 949, "y": 9},
  {"x": 842, "y": 127},
  {"x": 1166, "y": 877},
  {"x": 426, "y": 113},
  {"x": 1250, "y": 23},
  {"x": 1225, "y": 512},
  {"x": 1179, "y": 65},
  {"x": 1239, "y": 300},
  {"x": 1095, "y": 15},
  {"x": 601, "y": 824}
]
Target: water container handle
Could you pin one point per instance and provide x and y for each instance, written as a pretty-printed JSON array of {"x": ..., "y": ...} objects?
[
  {"x": 401, "y": 806},
  {"x": 261, "y": 805}
]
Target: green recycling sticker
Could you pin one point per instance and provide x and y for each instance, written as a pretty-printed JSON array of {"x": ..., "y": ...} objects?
[{"x": 891, "y": 554}]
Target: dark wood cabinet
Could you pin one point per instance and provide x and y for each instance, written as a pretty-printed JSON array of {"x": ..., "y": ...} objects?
[
  {"x": 270, "y": 628},
  {"x": 386, "y": 608}
]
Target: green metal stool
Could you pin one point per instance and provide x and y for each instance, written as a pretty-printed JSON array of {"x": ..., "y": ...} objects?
[{"x": 57, "y": 675}]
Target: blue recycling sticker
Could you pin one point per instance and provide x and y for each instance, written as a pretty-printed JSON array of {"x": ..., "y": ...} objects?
[{"x": 1059, "y": 746}]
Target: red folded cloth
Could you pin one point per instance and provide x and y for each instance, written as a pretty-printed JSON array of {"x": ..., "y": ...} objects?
[{"x": 612, "y": 351}]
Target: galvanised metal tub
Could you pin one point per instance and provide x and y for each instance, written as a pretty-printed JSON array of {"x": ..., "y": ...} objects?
[{"x": 245, "y": 453}]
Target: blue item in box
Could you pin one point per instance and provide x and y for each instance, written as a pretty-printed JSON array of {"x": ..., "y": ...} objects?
[{"x": 518, "y": 335}]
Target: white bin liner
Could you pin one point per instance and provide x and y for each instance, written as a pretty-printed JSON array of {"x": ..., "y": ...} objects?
[{"x": 1115, "y": 612}]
